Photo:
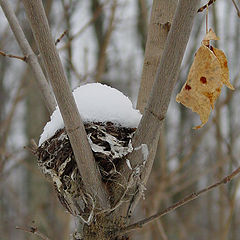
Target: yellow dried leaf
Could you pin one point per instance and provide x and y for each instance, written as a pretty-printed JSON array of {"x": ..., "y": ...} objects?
[
  {"x": 211, "y": 35},
  {"x": 224, "y": 65},
  {"x": 206, "y": 77}
]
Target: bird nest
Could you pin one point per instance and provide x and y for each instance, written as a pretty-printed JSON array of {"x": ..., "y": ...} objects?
[{"x": 109, "y": 143}]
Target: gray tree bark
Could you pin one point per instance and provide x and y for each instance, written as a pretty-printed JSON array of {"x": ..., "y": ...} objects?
[
  {"x": 161, "y": 19},
  {"x": 72, "y": 121},
  {"x": 47, "y": 94},
  {"x": 159, "y": 99}
]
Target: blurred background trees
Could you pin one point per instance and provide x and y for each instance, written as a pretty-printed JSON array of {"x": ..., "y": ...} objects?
[{"x": 105, "y": 42}]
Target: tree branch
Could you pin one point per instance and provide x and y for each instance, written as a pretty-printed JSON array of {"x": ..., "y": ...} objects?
[
  {"x": 31, "y": 58},
  {"x": 206, "y": 5},
  {"x": 173, "y": 207},
  {"x": 161, "y": 18},
  {"x": 101, "y": 64},
  {"x": 61, "y": 37},
  {"x": 34, "y": 231},
  {"x": 236, "y": 7},
  {"x": 24, "y": 59},
  {"x": 73, "y": 124},
  {"x": 96, "y": 14},
  {"x": 157, "y": 106}
]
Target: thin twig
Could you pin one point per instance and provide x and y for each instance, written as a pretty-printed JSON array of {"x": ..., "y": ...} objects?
[
  {"x": 206, "y": 5},
  {"x": 102, "y": 56},
  {"x": 13, "y": 56},
  {"x": 207, "y": 20},
  {"x": 24, "y": 58},
  {"x": 47, "y": 94},
  {"x": 5, "y": 125},
  {"x": 96, "y": 14},
  {"x": 230, "y": 217},
  {"x": 173, "y": 207},
  {"x": 161, "y": 230},
  {"x": 34, "y": 231},
  {"x": 230, "y": 95},
  {"x": 68, "y": 11},
  {"x": 235, "y": 5},
  {"x": 61, "y": 37}
]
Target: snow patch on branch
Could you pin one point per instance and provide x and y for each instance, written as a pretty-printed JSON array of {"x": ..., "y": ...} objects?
[
  {"x": 144, "y": 148},
  {"x": 129, "y": 164},
  {"x": 97, "y": 103}
]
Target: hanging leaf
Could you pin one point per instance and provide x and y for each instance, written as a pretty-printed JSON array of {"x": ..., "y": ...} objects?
[{"x": 206, "y": 77}]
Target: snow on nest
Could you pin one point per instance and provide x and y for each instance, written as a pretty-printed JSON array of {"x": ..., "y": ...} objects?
[{"x": 97, "y": 103}]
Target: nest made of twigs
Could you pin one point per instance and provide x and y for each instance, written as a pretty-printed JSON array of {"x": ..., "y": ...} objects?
[{"x": 109, "y": 143}]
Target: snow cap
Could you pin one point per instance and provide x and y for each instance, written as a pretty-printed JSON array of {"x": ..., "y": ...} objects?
[{"x": 97, "y": 103}]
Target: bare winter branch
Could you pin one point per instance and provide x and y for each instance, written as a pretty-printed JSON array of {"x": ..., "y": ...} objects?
[
  {"x": 212, "y": 1},
  {"x": 102, "y": 56},
  {"x": 173, "y": 207},
  {"x": 72, "y": 121},
  {"x": 47, "y": 94},
  {"x": 61, "y": 37},
  {"x": 158, "y": 31},
  {"x": 236, "y": 7},
  {"x": 97, "y": 13},
  {"x": 34, "y": 231},
  {"x": 156, "y": 39},
  {"x": 13, "y": 56},
  {"x": 167, "y": 72},
  {"x": 206, "y": 5}
]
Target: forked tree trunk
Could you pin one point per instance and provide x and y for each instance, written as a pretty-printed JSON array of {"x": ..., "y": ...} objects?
[
  {"x": 165, "y": 79},
  {"x": 110, "y": 216}
]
